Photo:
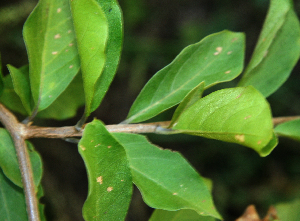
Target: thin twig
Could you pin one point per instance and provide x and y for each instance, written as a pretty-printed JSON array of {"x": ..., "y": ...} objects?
[
  {"x": 280, "y": 120},
  {"x": 15, "y": 129}
]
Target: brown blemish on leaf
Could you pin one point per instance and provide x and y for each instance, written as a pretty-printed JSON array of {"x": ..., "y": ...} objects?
[
  {"x": 69, "y": 31},
  {"x": 227, "y": 72},
  {"x": 71, "y": 44},
  {"x": 108, "y": 147},
  {"x": 109, "y": 189},
  {"x": 57, "y": 36},
  {"x": 98, "y": 145},
  {"x": 58, "y": 10},
  {"x": 218, "y": 50},
  {"x": 82, "y": 148},
  {"x": 54, "y": 52},
  {"x": 234, "y": 39},
  {"x": 259, "y": 142},
  {"x": 266, "y": 53},
  {"x": 229, "y": 52},
  {"x": 92, "y": 141},
  {"x": 175, "y": 194},
  {"x": 247, "y": 117},
  {"x": 71, "y": 66},
  {"x": 100, "y": 179},
  {"x": 240, "y": 137},
  {"x": 203, "y": 201}
]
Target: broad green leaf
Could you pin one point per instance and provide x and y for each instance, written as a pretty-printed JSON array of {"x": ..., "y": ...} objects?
[
  {"x": 9, "y": 163},
  {"x": 288, "y": 211},
  {"x": 277, "y": 49},
  {"x": 266, "y": 150},
  {"x": 290, "y": 129},
  {"x": 217, "y": 58},
  {"x": 53, "y": 57},
  {"x": 66, "y": 105},
  {"x": 12, "y": 201},
  {"x": 110, "y": 182},
  {"x": 180, "y": 215},
  {"x": 91, "y": 28},
  {"x": 189, "y": 99},
  {"x": 237, "y": 115},
  {"x": 166, "y": 180},
  {"x": 21, "y": 83},
  {"x": 113, "y": 14},
  {"x": 1, "y": 78},
  {"x": 10, "y": 98}
]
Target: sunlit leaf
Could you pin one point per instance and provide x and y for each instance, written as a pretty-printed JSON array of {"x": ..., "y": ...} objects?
[
  {"x": 113, "y": 14},
  {"x": 66, "y": 105},
  {"x": 277, "y": 49},
  {"x": 165, "y": 179},
  {"x": 190, "y": 99},
  {"x": 9, "y": 163},
  {"x": 91, "y": 27},
  {"x": 290, "y": 129},
  {"x": 20, "y": 78},
  {"x": 180, "y": 215},
  {"x": 53, "y": 58},
  {"x": 217, "y": 58},
  {"x": 110, "y": 182},
  {"x": 237, "y": 115}
]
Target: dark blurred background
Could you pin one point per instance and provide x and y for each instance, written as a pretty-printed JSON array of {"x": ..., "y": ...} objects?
[{"x": 155, "y": 32}]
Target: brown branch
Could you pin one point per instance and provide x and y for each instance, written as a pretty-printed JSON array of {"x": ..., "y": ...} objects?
[
  {"x": 280, "y": 120},
  {"x": 15, "y": 129}
]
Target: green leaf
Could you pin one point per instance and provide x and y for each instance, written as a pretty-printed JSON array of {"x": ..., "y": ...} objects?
[
  {"x": 110, "y": 182},
  {"x": 21, "y": 83},
  {"x": 113, "y": 14},
  {"x": 66, "y": 105},
  {"x": 180, "y": 215},
  {"x": 166, "y": 180},
  {"x": 217, "y": 58},
  {"x": 277, "y": 50},
  {"x": 12, "y": 201},
  {"x": 290, "y": 129},
  {"x": 237, "y": 115},
  {"x": 288, "y": 211},
  {"x": 189, "y": 99},
  {"x": 53, "y": 57},
  {"x": 9, "y": 163},
  {"x": 10, "y": 98},
  {"x": 91, "y": 27},
  {"x": 1, "y": 78}
]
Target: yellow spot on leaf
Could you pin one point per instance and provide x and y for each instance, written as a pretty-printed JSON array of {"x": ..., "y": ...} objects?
[
  {"x": 57, "y": 36},
  {"x": 58, "y": 10},
  {"x": 108, "y": 147},
  {"x": 82, "y": 147},
  {"x": 109, "y": 189},
  {"x": 227, "y": 72},
  {"x": 100, "y": 179},
  {"x": 265, "y": 54},
  {"x": 71, "y": 66},
  {"x": 247, "y": 117},
  {"x": 54, "y": 52},
  {"x": 175, "y": 194},
  {"x": 218, "y": 50},
  {"x": 240, "y": 137}
]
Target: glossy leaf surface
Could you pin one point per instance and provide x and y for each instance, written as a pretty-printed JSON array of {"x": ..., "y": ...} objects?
[
  {"x": 91, "y": 29},
  {"x": 237, "y": 115},
  {"x": 53, "y": 58},
  {"x": 217, "y": 58},
  {"x": 21, "y": 83},
  {"x": 180, "y": 215},
  {"x": 190, "y": 99},
  {"x": 290, "y": 129},
  {"x": 9, "y": 163},
  {"x": 113, "y": 14},
  {"x": 277, "y": 49},
  {"x": 109, "y": 177},
  {"x": 66, "y": 105},
  {"x": 165, "y": 179}
]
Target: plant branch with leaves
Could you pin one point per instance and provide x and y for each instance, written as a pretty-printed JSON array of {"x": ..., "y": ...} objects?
[{"x": 74, "y": 49}]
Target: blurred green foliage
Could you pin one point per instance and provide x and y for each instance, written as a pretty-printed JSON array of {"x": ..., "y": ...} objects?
[{"x": 155, "y": 32}]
